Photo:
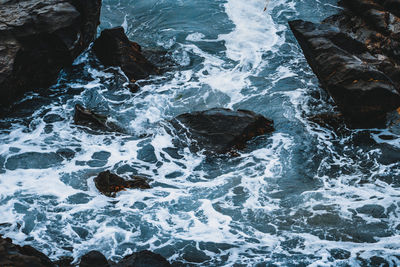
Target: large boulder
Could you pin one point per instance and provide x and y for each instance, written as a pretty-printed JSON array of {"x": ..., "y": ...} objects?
[
  {"x": 109, "y": 184},
  {"x": 39, "y": 38},
  {"x": 17, "y": 256},
  {"x": 113, "y": 48},
  {"x": 356, "y": 57},
  {"x": 220, "y": 130}
]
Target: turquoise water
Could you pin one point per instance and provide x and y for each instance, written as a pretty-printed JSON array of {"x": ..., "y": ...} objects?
[{"x": 304, "y": 195}]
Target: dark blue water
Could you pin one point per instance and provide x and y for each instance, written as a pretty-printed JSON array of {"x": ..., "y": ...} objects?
[{"x": 304, "y": 195}]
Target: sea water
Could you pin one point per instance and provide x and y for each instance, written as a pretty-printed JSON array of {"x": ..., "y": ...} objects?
[{"x": 303, "y": 195}]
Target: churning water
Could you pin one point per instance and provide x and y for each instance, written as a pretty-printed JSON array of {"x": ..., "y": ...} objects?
[{"x": 304, "y": 195}]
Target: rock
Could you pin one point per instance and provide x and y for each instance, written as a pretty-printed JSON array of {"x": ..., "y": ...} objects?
[
  {"x": 93, "y": 258},
  {"x": 144, "y": 258},
  {"x": 220, "y": 130},
  {"x": 39, "y": 38},
  {"x": 109, "y": 184},
  {"x": 334, "y": 121},
  {"x": 17, "y": 256},
  {"x": 113, "y": 48},
  {"x": 356, "y": 56},
  {"x": 94, "y": 121}
]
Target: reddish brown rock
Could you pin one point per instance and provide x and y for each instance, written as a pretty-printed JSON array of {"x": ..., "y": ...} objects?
[{"x": 109, "y": 184}]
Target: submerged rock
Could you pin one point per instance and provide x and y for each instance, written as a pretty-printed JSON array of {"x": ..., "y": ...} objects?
[
  {"x": 356, "y": 57},
  {"x": 220, "y": 130},
  {"x": 17, "y": 256},
  {"x": 109, "y": 184},
  {"x": 39, "y": 38},
  {"x": 113, "y": 48},
  {"x": 94, "y": 121}
]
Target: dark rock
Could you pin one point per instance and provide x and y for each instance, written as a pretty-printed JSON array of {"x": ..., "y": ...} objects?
[
  {"x": 356, "y": 56},
  {"x": 66, "y": 153},
  {"x": 17, "y": 256},
  {"x": 144, "y": 258},
  {"x": 362, "y": 92},
  {"x": 109, "y": 184},
  {"x": 93, "y": 258},
  {"x": 340, "y": 254},
  {"x": 113, "y": 48},
  {"x": 221, "y": 130},
  {"x": 64, "y": 262},
  {"x": 94, "y": 121},
  {"x": 39, "y": 38},
  {"x": 334, "y": 121},
  {"x": 375, "y": 211}
]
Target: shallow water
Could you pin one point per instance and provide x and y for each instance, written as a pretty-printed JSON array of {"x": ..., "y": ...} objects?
[{"x": 304, "y": 195}]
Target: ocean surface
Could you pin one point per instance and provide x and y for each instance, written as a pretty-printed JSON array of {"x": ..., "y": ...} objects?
[{"x": 302, "y": 196}]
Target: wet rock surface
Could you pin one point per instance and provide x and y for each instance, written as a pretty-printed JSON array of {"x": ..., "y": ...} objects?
[
  {"x": 98, "y": 122},
  {"x": 38, "y": 39},
  {"x": 356, "y": 57},
  {"x": 221, "y": 130},
  {"x": 17, "y": 256},
  {"x": 143, "y": 259},
  {"x": 109, "y": 184},
  {"x": 93, "y": 258},
  {"x": 113, "y": 48}
]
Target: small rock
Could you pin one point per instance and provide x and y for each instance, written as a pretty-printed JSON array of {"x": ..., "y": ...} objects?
[
  {"x": 113, "y": 48},
  {"x": 340, "y": 254},
  {"x": 92, "y": 120},
  {"x": 220, "y": 130},
  {"x": 109, "y": 184}
]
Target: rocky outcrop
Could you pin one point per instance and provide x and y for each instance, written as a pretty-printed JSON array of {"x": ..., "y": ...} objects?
[
  {"x": 113, "y": 48},
  {"x": 94, "y": 121},
  {"x": 17, "y": 256},
  {"x": 221, "y": 130},
  {"x": 356, "y": 57},
  {"x": 39, "y": 38},
  {"x": 109, "y": 184}
]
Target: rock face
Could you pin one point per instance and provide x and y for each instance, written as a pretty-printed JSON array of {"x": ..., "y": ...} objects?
[
  {"x": 113, "y": 48},
  {"x": 109, "y": 184},
  {"x": 221, "y": 130},
  {"x": 356, "y": 57},
  {"x": 39, "y": 38},
  {"x": 17, "y": 256}
]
